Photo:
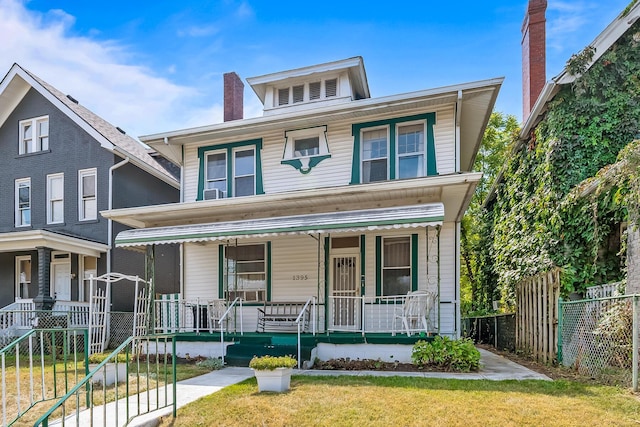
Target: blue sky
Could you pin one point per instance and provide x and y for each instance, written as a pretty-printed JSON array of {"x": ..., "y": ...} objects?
[{"x": 151, "y": 67}]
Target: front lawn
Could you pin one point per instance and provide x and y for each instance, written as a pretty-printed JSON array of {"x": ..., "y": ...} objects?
[{"x": 411, "y": 401}]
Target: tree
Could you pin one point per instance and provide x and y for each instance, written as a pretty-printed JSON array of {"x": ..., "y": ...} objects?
[{"x": 501, "y": 131}]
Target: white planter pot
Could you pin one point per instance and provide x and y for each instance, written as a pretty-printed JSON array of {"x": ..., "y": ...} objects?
[
  {"x": 277, "y": 380},
  {"x": 107, "y": 373}
]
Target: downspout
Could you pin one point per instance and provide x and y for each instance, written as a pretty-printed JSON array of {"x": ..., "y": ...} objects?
[{"x": 458, "y": 115}]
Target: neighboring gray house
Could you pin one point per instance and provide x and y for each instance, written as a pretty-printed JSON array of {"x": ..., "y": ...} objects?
[{"x": 60, "y": 165}]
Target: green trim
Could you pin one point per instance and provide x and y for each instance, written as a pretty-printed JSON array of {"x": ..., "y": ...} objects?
[
  {"x": 269, "y": 272},
  {"x": 430, "y": 154},
  {"x": 414, "y": 262},
  {"x": 281, "y": 230},
  {"x": 378, "y": 266},
  {"x": 363, "y": 264},
  {"x": 203, "y": 151},
  {"x": 326, "y": 283},
  {"x": 297, "y": 163},
  {"x": 221, "y": 271}
]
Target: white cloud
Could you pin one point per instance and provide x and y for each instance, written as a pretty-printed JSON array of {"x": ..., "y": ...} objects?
[{"x": 96, "y": 73}]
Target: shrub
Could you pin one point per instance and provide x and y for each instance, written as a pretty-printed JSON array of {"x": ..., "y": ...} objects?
[
  {"x": 269, "y": 363},
  {"x": 100, "y": 357},
  {"x": 211, "y": 363},
  {"x": 444, "y": 353}
]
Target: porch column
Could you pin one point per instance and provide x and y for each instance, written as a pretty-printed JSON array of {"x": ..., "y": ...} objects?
[
  {"x": 44, "y": 301},
  {"x": 150, "y": 277}
]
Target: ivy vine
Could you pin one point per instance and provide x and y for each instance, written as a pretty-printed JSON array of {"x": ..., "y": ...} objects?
[{"x": 542, "y": 216}]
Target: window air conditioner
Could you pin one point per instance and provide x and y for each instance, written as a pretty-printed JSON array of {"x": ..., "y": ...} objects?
[{"x": 213, "y": 193}]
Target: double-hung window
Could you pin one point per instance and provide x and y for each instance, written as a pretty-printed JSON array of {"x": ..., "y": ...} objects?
[
  {"x": 230, "y": 170},
  {"x": 374, "y": 155},
  {"x": 55, "y": 198},
  {"x": 245, "y": 272},
  {"x": 396, "y": 148},
  {"x": 23, "y": 202},
  {"x": 34, "y": 135},
  {"x": 87, "y": 195},
  {"x": 216, "y": 174},
  {"x": 396, "y": 266},
  {"x": 244, "y": 172},
  {"x": 410, "y": 151}
]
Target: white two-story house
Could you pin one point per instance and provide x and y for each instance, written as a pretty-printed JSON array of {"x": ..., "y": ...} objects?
[{"x": 331, "y": 194}]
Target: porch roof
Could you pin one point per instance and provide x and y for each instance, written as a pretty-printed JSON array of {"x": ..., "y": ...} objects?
[
  {"x": 29, "y": 240},
  {"x": 430, "y": 214}
]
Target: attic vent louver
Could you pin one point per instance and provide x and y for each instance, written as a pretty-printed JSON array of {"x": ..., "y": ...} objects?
[
  {"x": 121, "y": 131},
  {"x": 72, "y": 99}
]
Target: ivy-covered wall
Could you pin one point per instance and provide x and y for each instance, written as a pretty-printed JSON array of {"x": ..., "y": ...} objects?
[{"x": 540, "y": 217}]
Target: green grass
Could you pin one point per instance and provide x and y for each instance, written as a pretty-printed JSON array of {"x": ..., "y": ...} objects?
[{"x": 411, "y": 401}]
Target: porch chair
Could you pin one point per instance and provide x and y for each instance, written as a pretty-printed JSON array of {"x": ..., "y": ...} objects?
[
  {"x": 215, "y": 309},
  {"x": 415, "y": 311}
]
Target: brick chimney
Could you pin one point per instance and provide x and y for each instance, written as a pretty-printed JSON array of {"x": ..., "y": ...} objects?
[
  {"x": 533, "y": 55},
  {"x": 233, "y": 97}
]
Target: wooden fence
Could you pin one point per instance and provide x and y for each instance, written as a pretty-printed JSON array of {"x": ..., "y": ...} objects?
[{"x": 537, "y": 316}]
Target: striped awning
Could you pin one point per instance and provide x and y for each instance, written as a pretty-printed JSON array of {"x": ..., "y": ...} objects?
[{"x": 431, "y": 214}]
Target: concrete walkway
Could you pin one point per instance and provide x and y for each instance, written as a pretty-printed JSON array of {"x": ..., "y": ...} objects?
[{"x": 494, "y": 367}]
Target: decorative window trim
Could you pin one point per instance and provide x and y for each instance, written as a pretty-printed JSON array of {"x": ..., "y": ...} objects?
[
  {"x": 303, "y": 163},
  {"x": 413, "y": 258},
  {"x": 430, "y": 147},
  {"x": 230, "y": 148},
  {"x": 51, "y": 201},
  {"x": 38, "y": 142},
  {"x": 81, "y": 199},
  {"x": 18, "y": 211}
]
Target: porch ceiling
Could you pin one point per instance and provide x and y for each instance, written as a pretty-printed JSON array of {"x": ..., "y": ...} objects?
[
  {"x": 30, "y": 240},
  {"x": 454, "y": 191},
  {"x": 430, "y": 214}
]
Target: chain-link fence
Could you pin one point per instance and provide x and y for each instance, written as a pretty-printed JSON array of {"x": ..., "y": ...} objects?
[
  {"x": 599, "y": 338},
  {"x": 498, "y": 330}
]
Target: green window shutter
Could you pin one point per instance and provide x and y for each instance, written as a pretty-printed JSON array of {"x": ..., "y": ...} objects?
[
  {"x": 259, "y": 181},
  {"x": 355, "y": 166},
  {"x": 432, "y": 168},
  {"x": 378, "y": 266},
  {"x": 414, "y": 262}
]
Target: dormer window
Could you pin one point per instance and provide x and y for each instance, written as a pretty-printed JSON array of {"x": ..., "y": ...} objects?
[
  {"x": 298, "y": 94},
  {"x": 330, "y": 88},
  {"x": 305, "y": 148},
  {"x": 313, "y": 91},
  {"x": 34, "y": 135},
  {"x": 283, "y": 96}
]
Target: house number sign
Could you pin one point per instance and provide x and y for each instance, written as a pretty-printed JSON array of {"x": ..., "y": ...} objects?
[{"x": 300, "y": 277}]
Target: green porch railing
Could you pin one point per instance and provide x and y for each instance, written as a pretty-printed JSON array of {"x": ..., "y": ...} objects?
[
  {"x": 149, "y": 376},
  {"x": 54, "y": 360}
]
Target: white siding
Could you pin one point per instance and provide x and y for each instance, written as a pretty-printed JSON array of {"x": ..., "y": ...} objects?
[
  {"x": 201, "y": 271},
  {"x": 294, "y": 263},
  {"x": 335, "y": 171},
  {"x": 444, "y": 133}
]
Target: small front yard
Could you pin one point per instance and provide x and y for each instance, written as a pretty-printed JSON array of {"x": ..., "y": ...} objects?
[{"x": 410, "y": 401}]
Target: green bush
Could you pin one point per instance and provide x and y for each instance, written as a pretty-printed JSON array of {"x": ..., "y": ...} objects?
[
  {"x": 269, "y": 363},
  {"x": 444, "y": 353},
  {"x": 100, "y": 357}
]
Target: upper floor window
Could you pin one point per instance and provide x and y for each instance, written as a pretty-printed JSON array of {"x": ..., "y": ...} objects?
[
  {"x": 34, "y": 135},
  {"x": 395, "y": 148},
  {"x": 410, "y": 151},
  {"x": 230, "y": 170},
  {"x": 374, "y": 155},
  {"x": 55, "y": 198},
  {"x": 87, "y": 195},
  {"x": 305, "y": 148},
  {"x": 23, "y": 202}
]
